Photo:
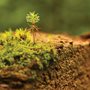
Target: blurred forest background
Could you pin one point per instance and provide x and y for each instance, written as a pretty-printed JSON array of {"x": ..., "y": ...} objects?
[{"x": 71, "y": 16}]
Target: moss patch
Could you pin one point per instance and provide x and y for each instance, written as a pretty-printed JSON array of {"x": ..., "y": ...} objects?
[
  {"x": 54, "y": 62},
  {"x": 19, "y": 57}
]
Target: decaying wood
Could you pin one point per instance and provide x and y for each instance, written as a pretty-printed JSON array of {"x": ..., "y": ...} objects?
[{"x": 70, "y": 72}]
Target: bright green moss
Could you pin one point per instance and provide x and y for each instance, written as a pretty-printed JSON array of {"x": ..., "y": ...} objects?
[{"x": 16, "y": 48}]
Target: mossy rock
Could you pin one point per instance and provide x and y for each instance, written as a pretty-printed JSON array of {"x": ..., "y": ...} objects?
[{"x": 54, "y": 62}]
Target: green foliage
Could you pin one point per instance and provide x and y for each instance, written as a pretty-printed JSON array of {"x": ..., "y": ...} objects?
[
  {"x": 16, "y": 49},
  {"x": 32, "y": 17}
]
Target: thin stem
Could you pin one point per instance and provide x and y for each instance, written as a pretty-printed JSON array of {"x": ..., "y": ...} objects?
[
  {"x": 34, "y": 29},
  {"x": 33, "y": 37}
]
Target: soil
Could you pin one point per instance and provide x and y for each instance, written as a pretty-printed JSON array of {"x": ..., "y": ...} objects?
[{"x": 70, "y": 72}]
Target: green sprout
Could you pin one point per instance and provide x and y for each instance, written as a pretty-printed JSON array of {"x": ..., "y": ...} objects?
[{"x": 32, "y": 18}]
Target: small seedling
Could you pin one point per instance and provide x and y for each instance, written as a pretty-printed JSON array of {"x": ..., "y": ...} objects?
[{"x": 32, "y": 18}]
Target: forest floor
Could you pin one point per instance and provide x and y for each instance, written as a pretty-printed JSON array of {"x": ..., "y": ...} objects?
[{"x": 70, "y": 72}]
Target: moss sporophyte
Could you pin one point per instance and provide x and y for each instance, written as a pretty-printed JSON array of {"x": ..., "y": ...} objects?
[{"x": 32, "y": 18}]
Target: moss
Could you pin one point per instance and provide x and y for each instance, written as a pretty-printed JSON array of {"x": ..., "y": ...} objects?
[
  {"x": 53, "y": 62},
  {"x": 17, "y": 50}
]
